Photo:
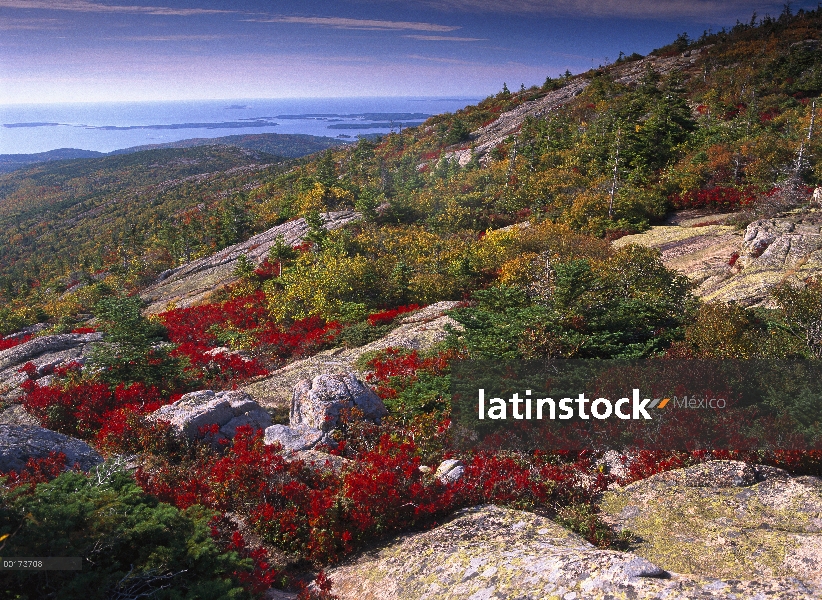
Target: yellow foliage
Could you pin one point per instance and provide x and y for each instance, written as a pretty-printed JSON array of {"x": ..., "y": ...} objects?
[
  {"x": 321, "y": 284},
  {"x": 520, "y": 271},
  {"x": 322, "y": 198}
]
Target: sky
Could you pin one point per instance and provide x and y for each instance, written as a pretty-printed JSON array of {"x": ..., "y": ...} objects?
[{"x": 55, "y": 51}]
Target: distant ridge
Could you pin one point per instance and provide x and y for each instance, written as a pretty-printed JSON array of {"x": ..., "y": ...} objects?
[
  {"x": 12, "y": 162},
  {"x": 285, "y": 145}
]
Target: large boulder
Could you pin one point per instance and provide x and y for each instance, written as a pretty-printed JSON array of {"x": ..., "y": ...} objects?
[
  {"x": 228, "y": 410},
  {"x": 19, "y": 443},
  {"x": 489, "y": 553},
  {"x": 726, "y": 519},
  {"x": 317, "y": 403}
]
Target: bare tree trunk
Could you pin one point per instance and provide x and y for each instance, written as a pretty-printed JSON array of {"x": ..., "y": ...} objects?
[{"x": 614, "y": 180}]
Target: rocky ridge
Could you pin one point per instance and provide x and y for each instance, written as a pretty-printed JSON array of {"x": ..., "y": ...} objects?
[
  {"x": 192, "y": 282},
  {"x": 488, "y": 137}
]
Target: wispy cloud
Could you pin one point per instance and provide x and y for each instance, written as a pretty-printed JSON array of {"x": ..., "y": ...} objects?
[
  {"x": 7, "y": 24},
  {"x": 643, "y": 9},
  {"x": 441, "y": 60},
  {"x": 444, "y": 38},
  {"x": 169, "y": 38},
  {"x": 93, "y": 7},
  {"x": 367, "y": 24}
]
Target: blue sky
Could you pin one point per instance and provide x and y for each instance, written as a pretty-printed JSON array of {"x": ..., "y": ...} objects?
[{"x": 118, "y": 50}]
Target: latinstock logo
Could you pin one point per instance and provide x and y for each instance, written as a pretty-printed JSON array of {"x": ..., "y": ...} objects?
[
  {"x": 529, "y": 408},
  {"x": 686, "y": 404}
]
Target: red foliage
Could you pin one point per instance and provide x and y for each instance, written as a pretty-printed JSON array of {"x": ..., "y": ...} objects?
[
  {"x": 302, "y": 338},
  {"x": 323, "y": 516},
  {"x": 395, "y": 369},
  {"x": 715, "y": 197},
  {"x": 196, "y": 331},
  {"x": 387, "y": 316},
  {"x": 733, "y": 259},
  {"x": 268, "y": 269},
  {"x": 768, "y": 115},
  {"x": 322, "y": 591},
  {"x": 83, "y": 330},
  {"x": 11, "y": 342},
  {"x": 83, "y": 408},
  {"x": 37, "y": 470}
]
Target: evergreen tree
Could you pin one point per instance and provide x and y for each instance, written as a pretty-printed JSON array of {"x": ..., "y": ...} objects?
[
  {"x": 130, "y": 351},
  {"x": 327, "y": 169}
]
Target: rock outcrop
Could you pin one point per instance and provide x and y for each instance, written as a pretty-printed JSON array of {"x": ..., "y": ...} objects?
[
  {"x": 229, "y": 410},
  {"x": 727, "y": 264},
  {"x": 495, "y": 553},
  {"x": 418, "y": 331},
  {"x": 725, "y": 519},
  {"x": 46, "y": 353},
  {"x": 450, "y": 471},
  {"x": 316, "y": 408},
  {"x": 19, "y": 443},
  {"x": 194, "y": 281},
  {"x": 318, "y": 402},
  {"x": 296, "y": 438}
]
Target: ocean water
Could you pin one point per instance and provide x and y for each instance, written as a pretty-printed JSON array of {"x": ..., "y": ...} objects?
[{"x": 104, "y": 127}]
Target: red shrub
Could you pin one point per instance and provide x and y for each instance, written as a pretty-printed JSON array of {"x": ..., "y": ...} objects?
[
  {"x": 82, "y": 408},
  {"x": 323, "y": 516},
  {"x": 387, "y": 316},
  {"x": 394, "y": 370},
  {"x": 7, "y": 343},
  {"x": 196, "y": 331},
  {"x": 83, "y": 330},
  {"x": 37, "y": 470},
  {"x": 715, "y": 197}
]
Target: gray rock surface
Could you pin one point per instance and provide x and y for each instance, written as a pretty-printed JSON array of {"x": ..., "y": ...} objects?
[
  {"x": 15, "y": 414},
  {"x": 318, "y": 402},
  {"x": 322, "y": 461},
  {"x": 46, "y": 353},
  {"x": 297, "y": 438},
  {"x": 193, "y": 282},
  {"x": 419, "y": 331},
  {"x": 18, "y": 443},
  {"x": 495, "y": 553},
  {"x": 229, "y": 410},
  {"x": 725, "y": 519},
  {"x": 450, "y": 471}
]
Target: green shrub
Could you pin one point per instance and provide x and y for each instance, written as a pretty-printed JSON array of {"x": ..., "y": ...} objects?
[
  {"x": 129, "y": 542},
  {"x": 130, "y": 351}
]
